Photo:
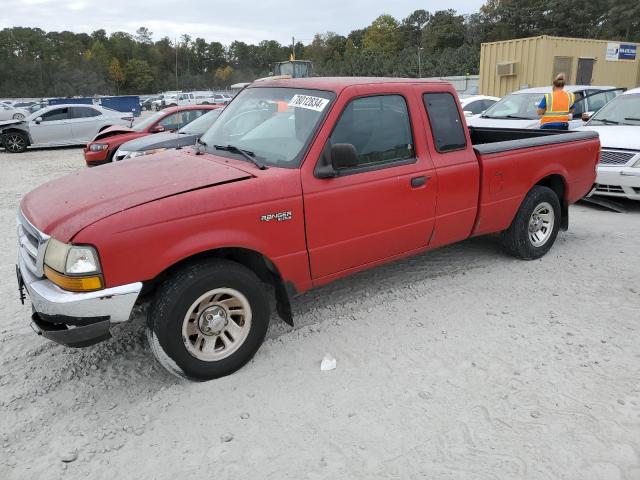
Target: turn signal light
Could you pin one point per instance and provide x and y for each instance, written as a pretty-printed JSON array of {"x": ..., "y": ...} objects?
[{"x": 74, "y": 284}]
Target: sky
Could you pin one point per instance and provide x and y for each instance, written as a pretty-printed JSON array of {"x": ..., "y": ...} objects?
[{"x": 223, "y": 21}]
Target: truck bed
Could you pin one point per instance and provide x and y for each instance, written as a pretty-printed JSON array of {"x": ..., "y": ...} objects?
[{"x": 566, "y": 161}]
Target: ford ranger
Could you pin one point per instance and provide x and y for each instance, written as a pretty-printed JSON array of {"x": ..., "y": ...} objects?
[{"x": 300, "y": 182}]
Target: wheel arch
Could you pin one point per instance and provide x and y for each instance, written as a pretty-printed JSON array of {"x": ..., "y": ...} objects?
[
  {"x": 255, "y": 261},
  {"x": 558, "y": 184}
]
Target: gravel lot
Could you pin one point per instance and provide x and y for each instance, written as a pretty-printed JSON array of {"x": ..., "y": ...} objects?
[{"x": 462, "y": 363}]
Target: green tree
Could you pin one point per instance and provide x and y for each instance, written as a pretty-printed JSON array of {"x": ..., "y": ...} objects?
[
  {"x": 382, "y": 35},
  {"x": 138, "y": 75},
  {"x": 116, "y": 73}
]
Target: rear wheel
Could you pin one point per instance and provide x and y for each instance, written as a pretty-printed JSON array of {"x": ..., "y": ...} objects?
[
  {"x": 18, "y": 116},
  {"x": 535, "y": 227},
  {"x": 15, "y": 142},
  {"x": 208, "y": 320}
]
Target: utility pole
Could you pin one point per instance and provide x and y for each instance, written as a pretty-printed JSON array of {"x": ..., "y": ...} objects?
[
  {"x": 420, "y": 49},
  {"x": 293, "y": 48},
  {"x": 175, "y": 41}
]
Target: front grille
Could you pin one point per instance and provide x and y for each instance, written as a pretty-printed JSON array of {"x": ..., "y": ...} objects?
[
  {"x": 608, "y": 188},
  {"x": 612, "y": 157},
  {"x": 32, "y": 244}
]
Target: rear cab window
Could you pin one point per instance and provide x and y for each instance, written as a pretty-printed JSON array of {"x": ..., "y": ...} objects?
[{"x": 446, "y": 126}]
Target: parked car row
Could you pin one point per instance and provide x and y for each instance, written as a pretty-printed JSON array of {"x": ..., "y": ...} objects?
[
  {"x": 176, "y": 99},
  {"x": 615, "y": 117},
  {"x": 102, "y": 147}
]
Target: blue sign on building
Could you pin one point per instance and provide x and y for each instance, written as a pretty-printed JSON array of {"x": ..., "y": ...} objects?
[{"x": 627, "y": 52}]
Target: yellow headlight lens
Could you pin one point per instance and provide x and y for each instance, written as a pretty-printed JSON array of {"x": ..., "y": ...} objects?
[{"x": 73, "y": 284}]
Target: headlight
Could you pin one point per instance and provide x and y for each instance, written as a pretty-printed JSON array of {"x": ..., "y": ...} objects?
[
  {"x": 145, "y": 152},
  {"x": 98, "y": 147},
  {"x": 73, "y": 267}
]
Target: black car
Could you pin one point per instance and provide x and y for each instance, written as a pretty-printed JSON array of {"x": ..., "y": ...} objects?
[{"x": 150, "y": 144}]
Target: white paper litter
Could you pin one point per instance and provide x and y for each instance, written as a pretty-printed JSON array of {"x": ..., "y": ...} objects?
[{"x": 328, "y": 363}]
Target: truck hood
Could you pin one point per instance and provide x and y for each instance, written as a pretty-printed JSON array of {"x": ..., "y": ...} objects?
[
  {"x": 159, "y": 140},
  {"x": 617, "y": 136},
  {"x": 63, "y": 207},
  {"x": 479, "y": 121}
]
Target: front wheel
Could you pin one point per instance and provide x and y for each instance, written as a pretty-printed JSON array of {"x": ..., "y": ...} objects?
[
  {"x": 208, "y": 320},
  {"x": 15, "y": 142},
  {"x": 535, "y": 227},
  {"x": 18, "y": 116}
]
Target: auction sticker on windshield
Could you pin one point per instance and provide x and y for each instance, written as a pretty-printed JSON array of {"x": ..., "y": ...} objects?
[{"x": 307, "y": 101}]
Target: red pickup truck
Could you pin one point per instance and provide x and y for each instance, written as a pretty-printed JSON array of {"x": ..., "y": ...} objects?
[{"x": 300, "y": 182}]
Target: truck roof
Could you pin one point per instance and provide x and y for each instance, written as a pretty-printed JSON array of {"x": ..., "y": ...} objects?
[{"x": 337, "y": 84}]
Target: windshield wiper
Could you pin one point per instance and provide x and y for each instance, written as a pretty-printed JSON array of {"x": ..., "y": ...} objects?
[
  {"x": 503, "y": 117},
  {"x": 245, "y": 153},
  {"x": 633, "y": 119},
  {"x": 607, "y": 121},
  {"x": 516, "y": 117}
]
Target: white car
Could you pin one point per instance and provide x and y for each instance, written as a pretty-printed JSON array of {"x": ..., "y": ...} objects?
[
  {"x": 59, "y": 125},
  {"x": 519, "y": 109},
  {"x": 7, "y": 112},
  {"x": 618, "y": 124},
  {"x": 476, "y": 104}
]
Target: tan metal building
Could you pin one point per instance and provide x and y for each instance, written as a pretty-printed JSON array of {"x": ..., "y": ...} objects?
[{"x": 533, "y": 62}]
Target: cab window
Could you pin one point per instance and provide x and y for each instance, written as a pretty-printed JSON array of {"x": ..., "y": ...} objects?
[
  {"x": 379, "y": 129},
  {"x": 84, "y": 112},
  {"x": 56, "y": 114}
]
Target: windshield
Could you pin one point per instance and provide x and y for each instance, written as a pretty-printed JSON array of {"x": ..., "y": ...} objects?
[
  {"x": 623, "y": 110},
  {"x": 517, "y": 105},
  {"x": 201, "y": 124},
  {"x": 275, "y": 124},
  {"x": 144, "y": 124}
]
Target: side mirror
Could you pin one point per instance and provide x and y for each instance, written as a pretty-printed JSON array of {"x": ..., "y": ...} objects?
[
  {"x": 343, "y": 155},
  {"x": 334, "y": 158},
  {"x": 38, "y": 120},
  {"x": 586, "y": 116},
  {"x": 158, "y": 129},
  {"x": 468, "y": 113}
]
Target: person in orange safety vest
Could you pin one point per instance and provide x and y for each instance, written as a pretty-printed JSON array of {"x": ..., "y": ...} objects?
[{"x": 556, "y": 108}]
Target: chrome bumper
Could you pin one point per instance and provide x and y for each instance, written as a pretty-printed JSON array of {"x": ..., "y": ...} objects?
[{"x": 76, "y": 319}]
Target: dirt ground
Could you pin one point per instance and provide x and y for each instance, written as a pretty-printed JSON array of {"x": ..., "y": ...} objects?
[{"x": 462, "y": 363}]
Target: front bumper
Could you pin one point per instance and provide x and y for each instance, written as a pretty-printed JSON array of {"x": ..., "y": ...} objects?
[
  {"x": 93, "y": 159},
  {"x": 76, "y": 319},
  {"x": 622, "y": 182}
]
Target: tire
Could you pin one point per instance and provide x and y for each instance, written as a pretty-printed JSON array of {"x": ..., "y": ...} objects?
[
  {"x": 15, "y": 142},
  {"x": 194, "y": 326},
  {"x": 535, "y": 227},
  {"x": 18, "y": 116}
]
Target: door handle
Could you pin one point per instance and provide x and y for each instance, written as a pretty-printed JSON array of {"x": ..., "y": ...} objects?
[{"x": 419, "y": 181}]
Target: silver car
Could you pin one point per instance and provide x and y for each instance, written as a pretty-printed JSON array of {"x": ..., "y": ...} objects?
[
  {"x": 7, "y": 112},
  {"x": 59, "y": 125}
]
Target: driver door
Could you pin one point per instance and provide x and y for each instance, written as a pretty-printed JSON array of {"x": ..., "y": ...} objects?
[{"x": 54, "y": 129}]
